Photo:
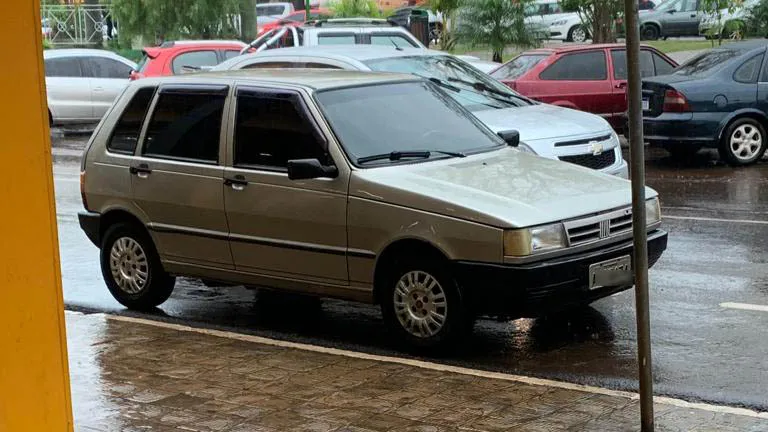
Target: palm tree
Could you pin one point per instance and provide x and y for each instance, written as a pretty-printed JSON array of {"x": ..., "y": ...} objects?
[{"x": 496, "y": 23}]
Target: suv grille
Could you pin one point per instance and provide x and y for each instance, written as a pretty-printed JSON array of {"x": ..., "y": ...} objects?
[
  {"x": 603, "y": 160},
  {"x": 598, "y": 227}
]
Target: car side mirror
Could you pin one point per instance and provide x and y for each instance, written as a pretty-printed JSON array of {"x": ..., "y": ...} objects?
[
  {"x": 303, "y": 169},
  {"x": 511, "y": 137}
]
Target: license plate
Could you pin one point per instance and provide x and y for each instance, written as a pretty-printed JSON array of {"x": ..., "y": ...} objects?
[
  {"x": 613, "y": 272},
  {"x": 646, "y": 104}
]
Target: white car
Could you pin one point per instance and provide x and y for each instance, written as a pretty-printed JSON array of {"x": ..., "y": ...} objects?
[
  {"x": 548, "y": 17},
  {"x": 271, "y": 12},
  {"x": 738, "y": 14},
  {"x": 82, "y": 83},
  {"x": 547, "y": 130},
  {"x": 484, "y": 66}
]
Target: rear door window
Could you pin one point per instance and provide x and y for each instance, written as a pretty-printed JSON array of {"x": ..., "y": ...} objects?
[
  {"x": 517, "y": 67},
  {"x": 126, "y": 132},
  {"x": 186, "y": 125},
  {"x": 194, "y": 60},
  {"x": 619, "y": 59},
  {"x": 336, "y": 39},
  {"x": 228, "y": 54},
  {"x": 65, "y": 67},
  {"x": 585, "y": 66},
  {"x": 102, "y": 67}
]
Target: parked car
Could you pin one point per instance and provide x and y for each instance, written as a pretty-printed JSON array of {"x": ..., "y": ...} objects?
[
  {"x": 329, "y": 192},
  {"x": 82, "y": 83},
  {"x": 402, "y": 16},
  {"x": 717, "y": 99},
  {"x": 671, "y": 18},
  {"x": 484, "y": 66},
  {"x": 590, "y": 78},
  {"x": 569, "y": 135},
  {"x": 548, "y": 18},
  {"x": 267, "y": 13},
  {"x": 177, "y": 57},
  {"x": 295, "y": 19},
  {"x": 729, "y": 21},
  {"x": 336, "y": 31}
]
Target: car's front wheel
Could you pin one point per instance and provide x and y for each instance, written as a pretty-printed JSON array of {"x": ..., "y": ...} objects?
[
  {"x": 132, "y": 269},
  {"x": 422, "y": 302},
  {"x": 743, "y": 142},
  {"x": 649, "y": 32},
  {"x": 578, "y": 34}
]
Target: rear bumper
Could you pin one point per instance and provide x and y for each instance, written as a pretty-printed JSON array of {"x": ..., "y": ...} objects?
[
  {"x": 683, "y": 128},
  {"x": 90, "y": 223},
  {"x": 529, "y": 290}
]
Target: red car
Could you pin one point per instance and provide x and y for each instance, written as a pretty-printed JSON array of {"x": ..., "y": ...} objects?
[
  {"x": 173, "y": 58},
  {"x": 296, "y": 18},
  {"x": 590, "y": 78}
]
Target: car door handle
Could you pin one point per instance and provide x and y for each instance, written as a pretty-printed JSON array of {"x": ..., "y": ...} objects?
[
  {"x": 237, "y": 183},
  {"x": 141, "y": 170},
  {"x": 621, "y": 85}
]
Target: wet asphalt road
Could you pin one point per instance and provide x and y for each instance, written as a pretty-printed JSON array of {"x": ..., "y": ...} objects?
[{"x": 717, "y": 217}]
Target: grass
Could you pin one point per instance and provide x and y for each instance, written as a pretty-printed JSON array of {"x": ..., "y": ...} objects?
[{"x": 669, "y": 46}]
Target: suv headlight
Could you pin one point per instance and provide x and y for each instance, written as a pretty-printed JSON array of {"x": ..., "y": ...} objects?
[
  {"x": 558, "y": 23},
  {"x": 652, "y": 211},
  {"x": 527, "y": 241}
]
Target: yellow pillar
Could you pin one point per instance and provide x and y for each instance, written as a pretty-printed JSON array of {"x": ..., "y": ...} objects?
[{"x": 34, "y": 379}]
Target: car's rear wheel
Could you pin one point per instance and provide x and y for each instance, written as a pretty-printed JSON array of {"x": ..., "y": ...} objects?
[
  {"x": 578, "y": 34},
  {"x": 649, "y": 32},
  {"x": 132, "y": 269},
  {"x": 422, "y": 303},
  {"x": 744, "y": 142}
]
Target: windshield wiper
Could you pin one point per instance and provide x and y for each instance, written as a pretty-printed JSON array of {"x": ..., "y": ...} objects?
[
  {"x": 481, "y": 86},
  {"x": 457, "y": 90},
  {"x": 397, "y": 155}
]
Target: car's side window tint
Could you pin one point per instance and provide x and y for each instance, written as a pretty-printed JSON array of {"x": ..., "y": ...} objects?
[
  {"x": 186, "y": 126},
  {"x": 126, "y": 132},
  {"x": 107, "y": 68},
  {"x": 65, "y": 67},
  {"x": 747, "y": 73},
  {"x": 270, "y": 65},
  {"x": 193, "y": 61},
  {"x": 663, "y": 67},
  {"x": 272, "y": 129},
  {"x": 586, "y": 66},
  {"x": 395, "y": 41},
  {"x": 336, "y": 39},
  {"x": 312, "y": 65},
  {"x": 228, "y": 54},
  {"x": 619, "y": 59}
]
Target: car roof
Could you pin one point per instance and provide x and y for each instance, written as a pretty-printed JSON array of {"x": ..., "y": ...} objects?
[
  {"x": 744, "y": 45},
  {"x": 315, "y": 79},
  {"x": 360, "y": 53},
  {"x": 581, "y": 47},
  {"x": 79, "y": 52},
  {"x": 171, "y": 44}
]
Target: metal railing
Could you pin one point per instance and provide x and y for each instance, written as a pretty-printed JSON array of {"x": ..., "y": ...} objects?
[{"x": 71, "y": 25}]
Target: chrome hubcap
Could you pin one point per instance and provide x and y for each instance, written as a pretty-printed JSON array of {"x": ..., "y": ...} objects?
[
  {"x": 746, "y": 141},
  {"x": 579, "y": 35},
  {"x": 420, "y": 304},
  {"x": 129, "y": 265}
]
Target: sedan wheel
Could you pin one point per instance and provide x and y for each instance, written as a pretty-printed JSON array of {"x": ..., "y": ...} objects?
[
  {"x": 744, "y": 142},
  {"x": 128, "y": 264},
  {"x": 420, "y": 304},
  {"x": 578, "y": 34}
]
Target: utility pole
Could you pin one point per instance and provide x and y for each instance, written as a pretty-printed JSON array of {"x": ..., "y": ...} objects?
[{"x": 639, "y": 230}]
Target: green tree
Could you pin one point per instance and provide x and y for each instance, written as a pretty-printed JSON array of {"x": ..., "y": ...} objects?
[
  {"x": 715, "y": 8},
  {"x": 496, "y": 23},
  {"x": 248, "y": 20},
  {"x": 447, "y": 10},
  {"x": 355, "y": 8},
  {"x": 598, "y": 17}
]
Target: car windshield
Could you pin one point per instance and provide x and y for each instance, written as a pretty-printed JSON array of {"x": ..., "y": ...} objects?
[
  {"x": 473, "y": 89},
  {"x": 707, "y": 63},
  {"x": 517, "y": 67},
  {"x": 668, "y": 5},
  {"x": 402, "y": 117}
]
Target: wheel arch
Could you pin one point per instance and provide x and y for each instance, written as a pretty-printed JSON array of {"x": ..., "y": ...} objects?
[
  {"x": 656, "y": 24},
  {"x": 736, "y": 115},
  {"x": 117, "y": 215}
]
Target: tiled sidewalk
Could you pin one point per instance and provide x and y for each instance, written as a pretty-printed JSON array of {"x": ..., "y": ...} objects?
[{"x": 131, "y": 376}]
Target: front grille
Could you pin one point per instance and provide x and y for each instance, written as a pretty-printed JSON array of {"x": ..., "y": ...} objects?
[
  {"x": 582, "y": 141},
  {"x": 600, "y": 227},
  {"x": 603, "y": 160}
]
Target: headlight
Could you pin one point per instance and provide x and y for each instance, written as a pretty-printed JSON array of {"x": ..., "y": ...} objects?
[
  {"x": 527, "y": 241},
  {"x": 525, "y": 149},
  {"x": 652, "y": 211},
  {"x": 558, "y": 23}
]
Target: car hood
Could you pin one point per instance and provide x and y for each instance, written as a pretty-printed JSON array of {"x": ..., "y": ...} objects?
[
  {"x": 531, "y": 121},
  {"x": 503, "y": 188}
]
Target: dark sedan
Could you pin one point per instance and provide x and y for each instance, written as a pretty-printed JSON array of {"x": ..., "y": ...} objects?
[{"x": 718, "y": 99}]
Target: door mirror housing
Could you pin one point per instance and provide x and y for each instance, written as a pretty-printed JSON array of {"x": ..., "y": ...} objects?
[
  {"x": 303, "y": 169},
  {"x": 511, "y": 137}
]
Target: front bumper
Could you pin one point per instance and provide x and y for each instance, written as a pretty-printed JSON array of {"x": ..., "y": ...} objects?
[
  {"x": 558, "y": 32},
  {"x": 90, "y": 223},
  {"x": 619, "y": 170},
  {"x": 529, "y": 290},
  {"x": 683, "y": 128}
]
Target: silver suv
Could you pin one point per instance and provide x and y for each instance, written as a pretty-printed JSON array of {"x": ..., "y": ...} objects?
[{"x": 310, "y": 181}]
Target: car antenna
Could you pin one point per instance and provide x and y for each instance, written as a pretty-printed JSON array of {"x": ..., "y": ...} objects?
[{"x": 395, "y": 45}]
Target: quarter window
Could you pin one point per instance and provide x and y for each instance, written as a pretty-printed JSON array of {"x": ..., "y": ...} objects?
[
  {"x": 126, "y": 132},
  {"x": 748, "y": 71},
  {"x": 194, "y": 60},
  {"x": 397, "y": 41},
  {"x": 336, "y": 39},
  {"x": 663, "y": 67},
  {"x": 271, "y": 65},
  {"x": 619, "y": 58},
  {"x": 271, "y": 129},
  {"x": 107, "y": 68},
  {"x": 186, "y": 126},
  {"x": 587, "y": 66},
  {"x": 63, "y": 67},
  {"x": 231, "y": 54}
]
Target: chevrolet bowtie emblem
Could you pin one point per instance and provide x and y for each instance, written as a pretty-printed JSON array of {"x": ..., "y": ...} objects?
[{"x": 596, "y": 147}]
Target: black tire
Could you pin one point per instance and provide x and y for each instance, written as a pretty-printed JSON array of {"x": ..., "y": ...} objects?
[
  {"x": 737, "y": 128},
  {"x": 649, "y": 32},
  {"x": 457, "y": 321},
  {"x": 682, "y": 152},
  {"x": 158, "y": 285},
  {"x": 570, "y": 37}
]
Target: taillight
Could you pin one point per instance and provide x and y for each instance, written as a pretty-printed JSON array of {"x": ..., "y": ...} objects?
[
  {"x": 82, "y": 189},
  {"x": 674, "y": 101}
]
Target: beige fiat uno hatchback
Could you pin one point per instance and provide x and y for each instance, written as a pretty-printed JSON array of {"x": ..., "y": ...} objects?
[{"x": 361, "y": 186}]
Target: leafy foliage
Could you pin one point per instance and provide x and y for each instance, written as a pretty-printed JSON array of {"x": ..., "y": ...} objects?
[
  {"x": 161, "y": 20},
  {"x": 599, "y": 16},
  {"x": 496, "y": 23},
  {"x": 757, "y": 20},
  {"x": 355, "y": 8}
]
